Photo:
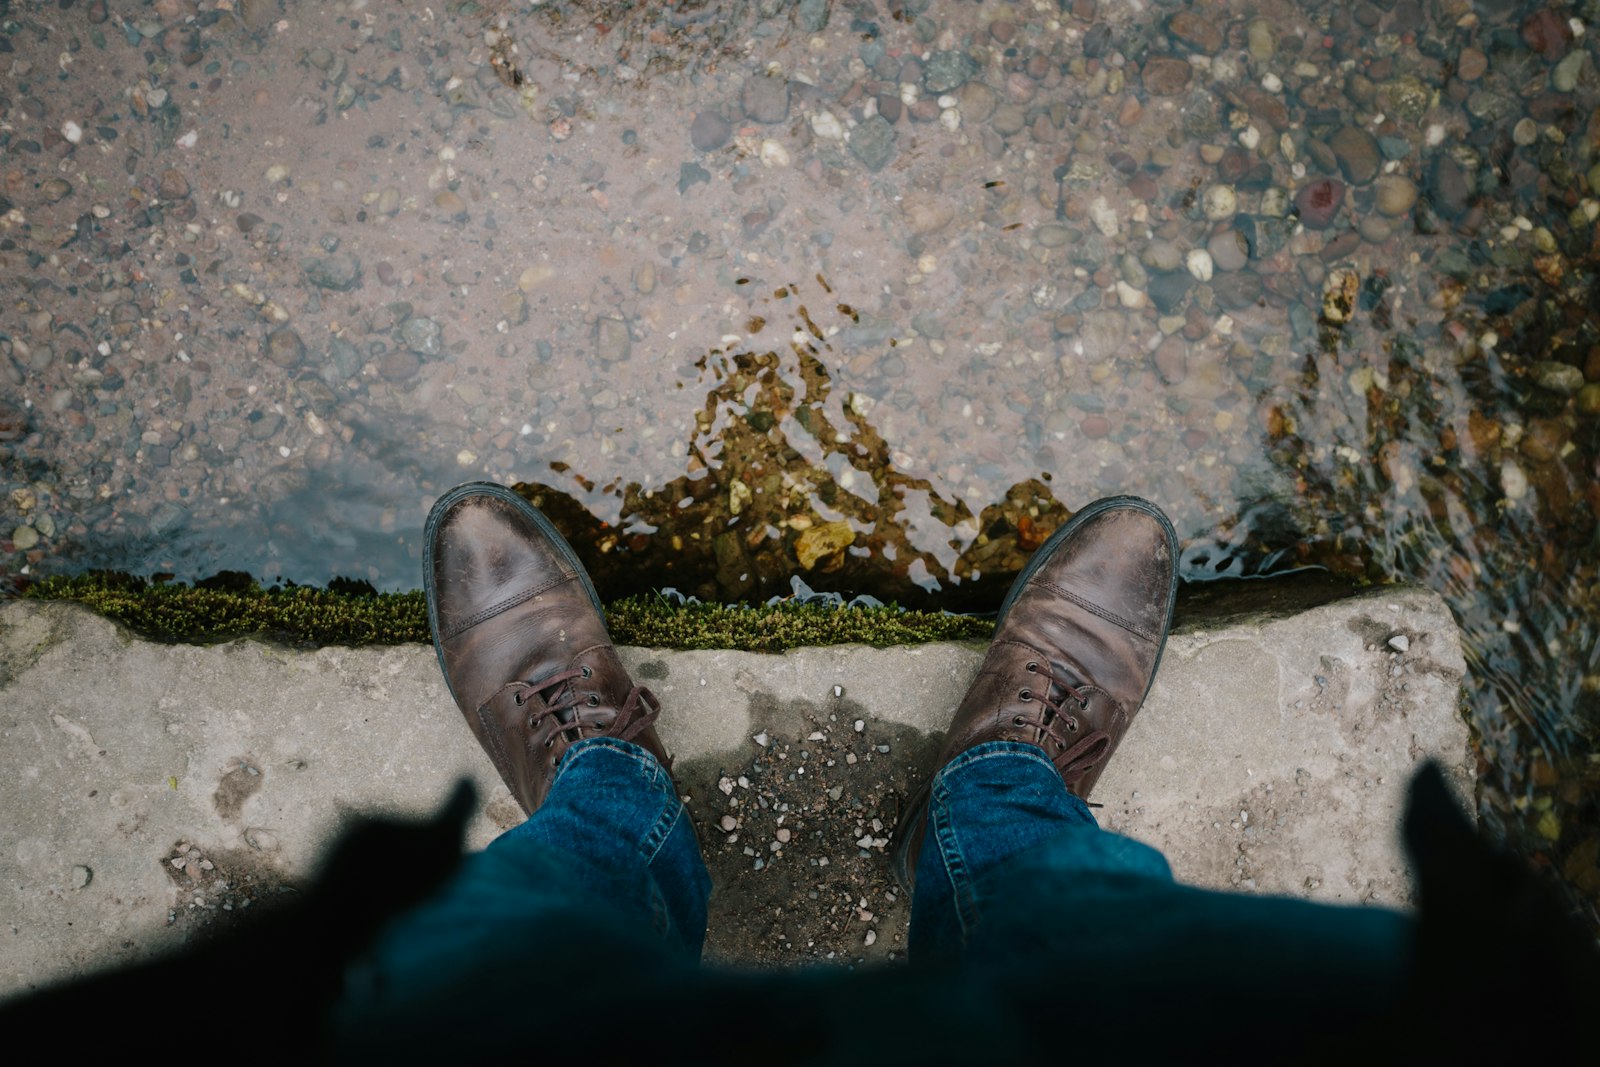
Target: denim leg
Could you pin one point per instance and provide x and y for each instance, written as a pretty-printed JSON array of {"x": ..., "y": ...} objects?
[
  {"x": 991, "y": 803},
  {"x": 606, "y": 874},
  {"x": 1014, "y": 872}
]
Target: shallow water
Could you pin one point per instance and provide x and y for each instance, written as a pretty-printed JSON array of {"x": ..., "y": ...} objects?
[{"x": 872, "y": 293}]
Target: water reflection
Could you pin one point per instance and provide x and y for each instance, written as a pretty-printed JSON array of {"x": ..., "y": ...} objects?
[{"x": 873, "y": 293}]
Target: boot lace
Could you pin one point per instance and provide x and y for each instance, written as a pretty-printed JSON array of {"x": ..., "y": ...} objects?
[
  {"x": 1077, "y": 750},
  {"x": 559, "y": 714}
]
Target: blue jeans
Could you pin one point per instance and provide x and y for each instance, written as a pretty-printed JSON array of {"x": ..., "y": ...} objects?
[{"x": 600, "y": 898}]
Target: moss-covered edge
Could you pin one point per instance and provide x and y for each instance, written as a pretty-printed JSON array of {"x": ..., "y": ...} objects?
[{"x": 299, "y": 615}]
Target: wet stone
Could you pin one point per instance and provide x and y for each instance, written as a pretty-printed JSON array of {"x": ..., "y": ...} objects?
[
  {"x": 340, "y": 273},
  {"x": 948, "y": 70},
  {"x": 765, "y": 98},
  {"x": 1008, "y": 119},
  {"x": 1172, "y": 359},
  {"x": 1161, "y": 256},
  {"x": 423, "y": 336},
  {"x": 266, "y": 426},
  {"x": 1405, "y": 98},
  {"x": 174, "y": 186},
  {"x": 1564, "y": 78},
  {"x": 285, "y": 348},
  {"x": 1229, "y": 250},
  {"x": 1357, "y": 153},
  {"x": 1375, "y": 229},
  {"x": 1166, "y": 75},
  {"x": 398, "y": 365},
  {"x": 1201, "y": 33},
  {"x": 1318, "y": 203},
  {"x": 1260, "y": 39},
  {"x": 1394, "y": 195},
  {"x": 1559, "y": 378},
  {"x": 978, "y": 102},
  {"x": 1053, "y": 235},
  {"x": 1168, "y": 288},
  {"x": 54, "y": 190},
  {"x": 24, "y": 538},
  {"x": 344, "y": 357},
  {"x": 247, "y": 221},
  {"x": 709, "y": 131},
  {"x": 1341, "y": 246},
  {"x": 872, "y": 143},
  {"x": 1449, "y": 191},
  {"x": 613, "y": 344},
  {"x": 1097, "y": 41},
  {"x": 514, "y": 306},
  {"x": 1238, "y": 290},
  {"x": 812, "y": 15},
  {"x": 927, "y": 213},
  {"x": 1548, "y": 33}
]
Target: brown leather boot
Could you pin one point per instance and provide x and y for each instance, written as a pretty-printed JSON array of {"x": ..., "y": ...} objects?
[
  {"x": 1075, "y": 649},
  {"x": 522, "y": 639}
]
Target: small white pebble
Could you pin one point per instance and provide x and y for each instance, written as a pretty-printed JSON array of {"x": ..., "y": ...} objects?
[
  {"x": 72, "y": 131},
  {"x": 1400, "y": 642},
  {"x": 774, "y": 154}
]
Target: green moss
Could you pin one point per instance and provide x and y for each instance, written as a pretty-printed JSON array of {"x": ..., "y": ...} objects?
[
  {"x": 654, "y": 622},
  {"x": 299, "y": 615}
]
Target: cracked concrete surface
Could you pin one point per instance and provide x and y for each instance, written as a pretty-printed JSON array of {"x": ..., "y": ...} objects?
[{"x": 147, "y": 791}]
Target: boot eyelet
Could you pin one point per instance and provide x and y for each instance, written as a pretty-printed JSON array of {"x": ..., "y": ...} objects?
[
  {"x": 533, "y": 721},
  {"x": 519, "y": 698},
  {"x": 1019, "y": 721},
  {"x": 594, "y": 700},
  {"x": 585, "y": 670},
  {"x": 1032, "y": 667},
  {"x": 1026, "y": 695},
  {"x": 1072, "y": 725},
  {"x": 549, "y": 742}
]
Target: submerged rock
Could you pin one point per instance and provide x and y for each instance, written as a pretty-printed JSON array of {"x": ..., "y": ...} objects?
[
  {"x": 340, "y": 273},
  {"x": 872, "y": 142},
  {"x": 1318, "y": 203},
  {"x": 423, "y": 336}
]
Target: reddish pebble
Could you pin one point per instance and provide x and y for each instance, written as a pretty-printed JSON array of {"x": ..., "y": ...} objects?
[
  {"x": 1547, "y": 33},
  {"x": 1095, "y": 426},
  {"x": 1195, "y": 439},
  {"x": 1318, "y": 203}
]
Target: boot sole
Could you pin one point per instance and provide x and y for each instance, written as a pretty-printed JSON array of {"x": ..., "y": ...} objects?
[
  {"x": 917, "y": 809},
  {"x": 533, "y": 514}
]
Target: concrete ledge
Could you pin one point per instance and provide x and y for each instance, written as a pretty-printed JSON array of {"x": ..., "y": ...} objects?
[{"x": 147, "y": 791}]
